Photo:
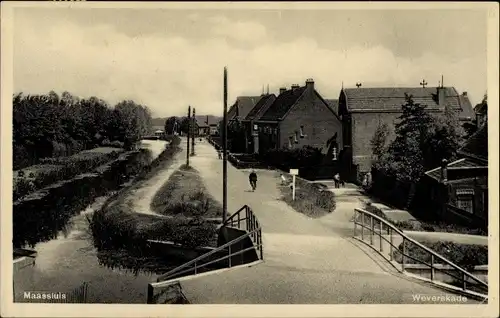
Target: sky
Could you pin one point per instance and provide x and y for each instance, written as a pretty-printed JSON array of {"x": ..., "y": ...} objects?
[{"x": 167, "y": 59}]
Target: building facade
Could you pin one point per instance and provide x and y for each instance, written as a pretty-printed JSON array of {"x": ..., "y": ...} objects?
[{"x": 363, "y": 110}]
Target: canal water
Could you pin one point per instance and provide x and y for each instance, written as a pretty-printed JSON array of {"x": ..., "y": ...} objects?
[{"x": 64, "y": 263}]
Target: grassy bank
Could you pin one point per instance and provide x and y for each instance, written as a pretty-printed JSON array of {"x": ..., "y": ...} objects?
[
  {"x": 185, "y": 194},
  {"x": 465, "y": 255},
  {"x": 116, "y": 226},
  {"x": 426, "y": 226},
  {"x": 53, "y": 170},
  {"x": 309, "y": 199}
]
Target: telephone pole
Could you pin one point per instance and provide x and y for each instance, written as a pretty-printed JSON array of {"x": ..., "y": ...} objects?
[
  {"x": 224, "y": 152},
  {"x": 188, "y": 133},
  {"x": 193, "y": 131}
]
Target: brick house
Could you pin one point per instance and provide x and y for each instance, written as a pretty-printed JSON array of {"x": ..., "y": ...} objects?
[
  {"x": 362, "y": 110},
  {"x": 295, "y": 118},
  {"x": 207, "y": 125},
  {"x": 241, "y": 107},
  {"x": 458, "y": 191}
]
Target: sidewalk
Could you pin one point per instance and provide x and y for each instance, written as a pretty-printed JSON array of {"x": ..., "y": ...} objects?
[{"x": 305, "y": 261}]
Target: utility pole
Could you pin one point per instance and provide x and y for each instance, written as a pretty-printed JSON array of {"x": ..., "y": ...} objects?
[
  {"x": 224, "y": 152},
  {"x": 188, "y": 130},
  {"x": 193, "y": 131}
]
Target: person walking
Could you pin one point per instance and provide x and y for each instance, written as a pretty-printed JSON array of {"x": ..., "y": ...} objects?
[
  {"x": 219, "y": 152},
  {"x": 336, "y": 179},
  {"x": 253, "y": 180}
]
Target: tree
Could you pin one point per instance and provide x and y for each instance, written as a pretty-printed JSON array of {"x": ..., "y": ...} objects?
[
  {"x": 379, "y": 141},
  {"x": 185, "y": 125},
  {"x": 170, "y": 124}
]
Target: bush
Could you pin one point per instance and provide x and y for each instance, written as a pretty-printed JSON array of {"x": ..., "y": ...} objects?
[{"x": 309, "y": 200}]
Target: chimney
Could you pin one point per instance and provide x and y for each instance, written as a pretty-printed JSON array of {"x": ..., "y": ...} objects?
[
  {"x": 441, "y": 96},
  {"x": 282, "y": 90},
  {"x": 295, "y": 86},
  {"x": 444, "y": 170},
  {"x": 310, "y": 84},
  {"x": 464, "y": 93}
]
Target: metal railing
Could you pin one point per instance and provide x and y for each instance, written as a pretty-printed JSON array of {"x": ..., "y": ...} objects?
[
  {"x": 386, "y": 231},
  {"x": 254, "y": 232}
]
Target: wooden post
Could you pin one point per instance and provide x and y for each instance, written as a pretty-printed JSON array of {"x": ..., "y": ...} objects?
[
  {"x": 189, "y": 129},
  {"x": 224, "y": 152},
  {"x": 193, "y": 130},
  {"x": 293, "y": 187}
]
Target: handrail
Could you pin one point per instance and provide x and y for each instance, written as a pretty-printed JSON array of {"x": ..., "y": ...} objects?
[
  {"x": 406, "y": 238},
  {"x": 230, "y": 218},
  {"x": 218, "y": 249}
]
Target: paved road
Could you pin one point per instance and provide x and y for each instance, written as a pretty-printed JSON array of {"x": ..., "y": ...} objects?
[{"x": 306, "y": 260}]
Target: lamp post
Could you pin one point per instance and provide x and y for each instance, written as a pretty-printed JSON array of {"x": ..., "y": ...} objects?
[
  {"x": 188, "y": 130},
  {"x": 224, "y": 152}
]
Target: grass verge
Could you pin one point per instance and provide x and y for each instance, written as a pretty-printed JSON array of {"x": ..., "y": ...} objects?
[
  {"x": 309, "y": 199},
  {"x": 185, "y": 194},
  {"x": 465, "y": 255}
]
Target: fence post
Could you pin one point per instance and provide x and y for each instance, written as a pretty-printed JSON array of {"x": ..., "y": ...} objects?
[
  {"x": 239, "y": 219},
  {"x": 464, "y": 279},
  {"x": 261, "y": 245},
  {"x": 150, "y": 294},
  {"x": 390, "y": 245},
  {"x": 371, "y": 230},
  {"x": 380, "y": 235},
  {"x": 362, "y": 226},
  {"x": 403, "y": 255},
  {"x": 355, "y": 215},
  {"x": 432, "y": 267}
]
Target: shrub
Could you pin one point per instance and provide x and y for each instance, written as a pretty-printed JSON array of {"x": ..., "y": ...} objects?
[
  {"x": 309, "y": 200},
  {"x": 465, "y": 255}
]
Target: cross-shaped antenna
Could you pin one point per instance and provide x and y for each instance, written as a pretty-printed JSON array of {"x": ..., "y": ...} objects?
[
  {"x": 423, "y": 83},
  {"x": 358, "y": 85}
]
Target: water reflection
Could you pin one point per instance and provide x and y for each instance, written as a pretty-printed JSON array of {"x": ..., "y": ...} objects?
[{"x": 67, "y": 258}]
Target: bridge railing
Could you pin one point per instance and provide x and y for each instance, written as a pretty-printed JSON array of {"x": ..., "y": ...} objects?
[
  {"x": 247, "y": 222},
  {"x": 373, "y": 226}
]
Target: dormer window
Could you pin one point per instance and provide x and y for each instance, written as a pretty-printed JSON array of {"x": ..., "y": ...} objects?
[{"x": 302, "y": 131}]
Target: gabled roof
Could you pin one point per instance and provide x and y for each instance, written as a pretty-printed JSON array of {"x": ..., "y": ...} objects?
[
  {"x": 282, "y": 104},
  {"x": 476, "y": 146},
  {"x": 463, "y": 163},
  {"x": 262, "y": 106},
  {"x": 242, "y": 106},
  {"x": 333, "y": 104},
  {"x": 201, "y": 120},
  {"x": 391, "y": 99}
]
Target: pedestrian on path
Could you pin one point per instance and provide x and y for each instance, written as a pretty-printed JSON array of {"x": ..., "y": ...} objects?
[
  {"x": 253, "y": 180},
  {"x": 336, "y": 179},
  {"x": 219, "y": 152}
]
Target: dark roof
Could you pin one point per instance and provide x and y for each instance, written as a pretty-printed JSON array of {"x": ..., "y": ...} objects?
[
  {"x": 201, "y": 120},
  {"x": 261, "y": 106},
  {"x": 242, "y": 106},
  {"x": 333, "y": 104},
  {"x": 461, "y": 163},
  {"x": 391, "y": 98},
  {"x": 282, "y": 104},
  {"x": 477, "y": 145}
]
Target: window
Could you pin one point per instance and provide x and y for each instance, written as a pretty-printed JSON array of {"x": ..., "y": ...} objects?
[
  {"x": 465, "y": 200},
  {"x": 334, "y": 153},
  {"x": 296, "y": 137},
  {"x": 302, "y": 131},
  {"x": 289, "y": 142}
]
